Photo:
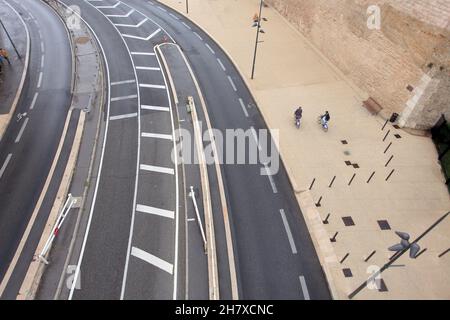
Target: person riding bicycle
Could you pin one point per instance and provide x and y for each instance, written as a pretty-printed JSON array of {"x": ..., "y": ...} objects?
[
  {"x": 298, "y": 113},
  {"x": 325, "y": 118}
]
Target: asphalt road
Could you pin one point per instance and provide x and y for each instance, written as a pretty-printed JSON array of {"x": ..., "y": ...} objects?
[
  {"x": 135, "y": 247},
  {"x": 31, "y": 143}
]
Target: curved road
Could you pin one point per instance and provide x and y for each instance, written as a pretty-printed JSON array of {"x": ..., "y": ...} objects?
[
  {"x": 29, "y": 145},
  {"x": 139, "y": 243}
]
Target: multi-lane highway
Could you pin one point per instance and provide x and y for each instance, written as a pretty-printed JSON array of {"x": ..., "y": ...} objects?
[
  {"x": 142, "y": 238},
  {"x": 28, "y": 148}
]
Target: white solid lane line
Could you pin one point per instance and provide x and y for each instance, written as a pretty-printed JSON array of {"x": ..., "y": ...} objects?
[
  {"x": 243, "y": 107},
  {"x": 232, "y": 83},
  {"x": 153, "y": 260},
  {"x": 34, "y": 100},
  {"x": 122, "y": 82},
  {"x": 157, "y": 136},
  {"x": 19, "y": 136},
  {"x": 155, "y": 108},
  {"x": 133, "y": 96},
  {"x": 304, "y": 288},
  {"x": 145, "y": 167},
  {"x": 155, "y": 211},
  {"x": 5, "y": 164},
  {"x": 210, "y": 49},
  {"x": 288, "y": 231},
  {"x": 153, "y": 86},
  {"x": 123, "y": 116}
]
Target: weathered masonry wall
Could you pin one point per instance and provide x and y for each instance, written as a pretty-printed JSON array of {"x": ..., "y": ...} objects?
[{"x": 404, "y": 65}]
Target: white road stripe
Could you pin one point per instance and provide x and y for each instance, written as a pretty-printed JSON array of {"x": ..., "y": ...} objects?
[
  {"x": 221, "y": 64},
  {"x": 148, "y": 68},
  {"x": 145, "y": 167},
  {"x": 131, "y": 25},
  {"x": 143, "y": 53},
  {"x": 19, "y": 136},
  {"x": 198, "y": 36},
  {"x": 243, "y": 107},
  {"x": 210, "y": 49},
  {"x": 174, "y": 16},
  {"x": 123, "y": 116},
  {"x": 142, "y": 38},
  {"x": 5, "y": 164},
  {"x": 134, "y": 96},
  {"x": 288, "y": 231},
  {"x": 122, "y": 82},
  {"x": 157, "y": 136},
  {"x": 42, "y": 61},
  {"x": 304, "y": 288},
  {"x": 40, "y": 80},
  {"x": 34, "y": 100},
  {"x": 155, "y": 108},
  {"x": 186, "y": 25},
  {"x": 162, "y": 9},
  {"x": 272, "y": 182},
  {"x": 232, "y": 83},
  {"x": 109, "y": 7},
  {"x": 255, "y": 136},
  {"x": 42, "y": 47},
  {"x": 153, "y": 260},
  {"x": 120, "y": 15},
  {"x": 153, "y": 86},
  {"x": 155, "y": 211}
]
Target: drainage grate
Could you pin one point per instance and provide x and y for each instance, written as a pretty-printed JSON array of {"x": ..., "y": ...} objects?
[
  {"x": 396, "y": 126},
  {"x": 348, "y": 221},
  {"x": 397, "y": 136},
  {"x": 348, "y": 163},
  {"x": 347, "y": 272},
  {"x": 344, "y": 142},
  {"x": 384, "y": 225},
  {"x": 356, "y": 166}
]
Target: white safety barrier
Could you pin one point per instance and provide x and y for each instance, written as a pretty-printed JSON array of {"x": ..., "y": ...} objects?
[
  {"x": 61, "y": 217},
  {"x": 192, "y": 195}
]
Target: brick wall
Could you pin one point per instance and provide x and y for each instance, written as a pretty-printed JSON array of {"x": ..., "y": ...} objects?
[{"x": 412, "y": 44}]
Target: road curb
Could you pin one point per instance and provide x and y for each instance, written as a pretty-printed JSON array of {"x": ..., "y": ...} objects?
[
  {"x": 310, "y": 213},
  {"x": 24, "y": 75},
  {"x": 321, "y": 241},
  {"x": 36, "y": 269}
]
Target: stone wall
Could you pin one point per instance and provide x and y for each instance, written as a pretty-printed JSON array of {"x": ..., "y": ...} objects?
[{"x": 404, "y": 65}]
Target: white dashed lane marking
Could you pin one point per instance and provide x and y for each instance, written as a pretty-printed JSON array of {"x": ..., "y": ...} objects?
[
  {"x": 123, "y": 116},
  {"x": 22, "y": 129},
  {"x": 288, "y": 231},
  {"x": 155, "y": 211},
  {"x": 5, "y": 164},
  {"x": 145, "y": 167},
  {"x": 153, "y": 260},
  {"x": 304, "y": 288},
  {"x": 210, "y": 49}
]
